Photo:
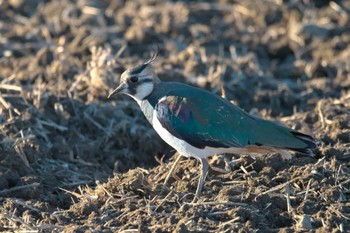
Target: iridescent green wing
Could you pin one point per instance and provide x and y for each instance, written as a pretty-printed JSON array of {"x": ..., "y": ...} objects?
[{"x": 203, "y": 119}]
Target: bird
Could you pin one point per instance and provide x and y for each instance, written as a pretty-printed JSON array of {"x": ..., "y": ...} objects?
[{"x": 200, "y": 124}]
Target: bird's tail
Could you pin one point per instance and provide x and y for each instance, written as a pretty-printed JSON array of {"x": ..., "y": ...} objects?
[
  {"x": 309, "y": 140},
  {"x": 279, "y": 136}
]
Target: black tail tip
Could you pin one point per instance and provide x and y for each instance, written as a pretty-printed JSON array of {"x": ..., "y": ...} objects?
[{"x": 309, "y": 140}]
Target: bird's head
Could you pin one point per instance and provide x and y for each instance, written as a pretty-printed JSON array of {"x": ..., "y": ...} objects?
[{"x": 139, "y": 81}]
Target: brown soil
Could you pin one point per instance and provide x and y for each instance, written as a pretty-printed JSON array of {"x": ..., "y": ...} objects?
[{"x": 71, "y": 160}]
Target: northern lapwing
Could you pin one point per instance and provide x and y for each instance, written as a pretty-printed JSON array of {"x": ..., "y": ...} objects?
[{"x": 200, "y": 124}]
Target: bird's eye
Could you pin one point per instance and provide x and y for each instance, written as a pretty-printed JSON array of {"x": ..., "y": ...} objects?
[{"x": 134, "y": 79}]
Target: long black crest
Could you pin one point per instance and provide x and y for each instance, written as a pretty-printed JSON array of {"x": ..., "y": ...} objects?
[
  {"x": 154, "y": 55},
  {"x": 138, "y": 69}
]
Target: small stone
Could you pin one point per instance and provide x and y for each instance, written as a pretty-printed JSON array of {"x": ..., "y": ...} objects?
[{"x": 305, "y": 222}]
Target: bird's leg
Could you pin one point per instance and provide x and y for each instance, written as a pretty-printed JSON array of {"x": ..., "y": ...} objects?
[
  {"x": 204, "y": 173},
  {"x": 172, "y": 169}
]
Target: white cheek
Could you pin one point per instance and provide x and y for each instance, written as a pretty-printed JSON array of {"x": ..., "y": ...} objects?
[{"x": 143, "y": 90}]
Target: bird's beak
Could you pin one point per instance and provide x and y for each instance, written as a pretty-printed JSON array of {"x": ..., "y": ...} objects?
[{"x": 119, "y": 90}]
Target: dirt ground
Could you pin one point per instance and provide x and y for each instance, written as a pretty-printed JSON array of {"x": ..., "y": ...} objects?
[{"x": 72, "y": 160}]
